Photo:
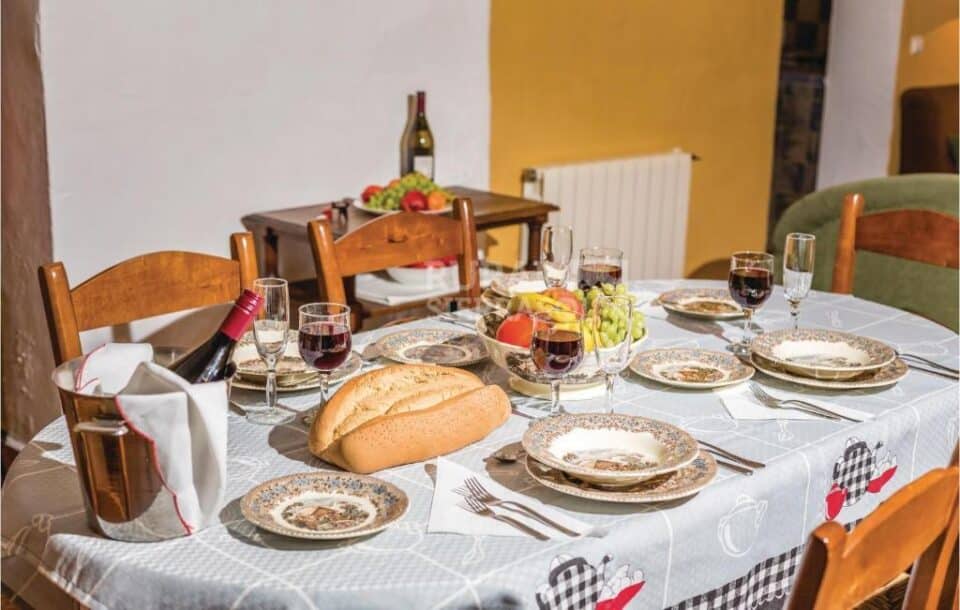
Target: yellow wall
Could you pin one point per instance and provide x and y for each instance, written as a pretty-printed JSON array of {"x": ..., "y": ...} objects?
[
  {"x": 573, "y": 81},
  {"x": 936, "y": 21}
]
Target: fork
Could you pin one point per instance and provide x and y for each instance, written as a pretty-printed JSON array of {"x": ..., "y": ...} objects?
[
  {"x": 476, "y": 490},
  {"x": 473, "y": 505},
  {"x": 799, "y": 405},
  {"x": 729, "y": 455},
  {"x": 450, "y": 319}
]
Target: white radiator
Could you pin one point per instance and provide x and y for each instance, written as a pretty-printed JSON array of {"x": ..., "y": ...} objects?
[{"x": 638, "y": 205}]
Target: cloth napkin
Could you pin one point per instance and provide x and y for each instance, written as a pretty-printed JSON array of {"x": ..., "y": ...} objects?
[
  {"x": 742, "y": 404},
  {"x": 447, "y": 516},
  {"x": 186, "y": 424}
]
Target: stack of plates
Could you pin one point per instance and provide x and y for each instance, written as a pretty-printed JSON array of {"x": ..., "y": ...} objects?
[
  {"x": 293, "y": 374},
  {"x": 827, "y": 359},
  {"x": 616, "y": 458}
]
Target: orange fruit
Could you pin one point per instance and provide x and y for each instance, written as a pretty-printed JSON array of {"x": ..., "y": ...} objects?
[{"x": 436, "y": 201}]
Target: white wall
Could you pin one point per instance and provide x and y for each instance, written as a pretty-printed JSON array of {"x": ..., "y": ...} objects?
[
  {"x": 168, "y": 121},
  {"x": 860, "y": 90}
]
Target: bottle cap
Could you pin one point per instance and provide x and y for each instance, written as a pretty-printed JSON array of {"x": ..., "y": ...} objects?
[{"x": 243, "y": 311}]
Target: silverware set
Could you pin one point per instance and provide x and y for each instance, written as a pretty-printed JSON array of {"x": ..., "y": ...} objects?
[
  {"x": 481, "y": 502},
  {"x": 729, "y": 459},
  {"x": 919, "y": 363},
  {"x": 450, "y": 318},
  {"x": 797, "y": 405}
]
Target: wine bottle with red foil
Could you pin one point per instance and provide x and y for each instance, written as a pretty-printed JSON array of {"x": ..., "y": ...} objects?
[
  {"x": 211, "y": 361},
  {"x": 416, "y": 150}
]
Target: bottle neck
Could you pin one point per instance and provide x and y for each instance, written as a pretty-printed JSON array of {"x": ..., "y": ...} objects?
[
  {"x": 421, "y": 103},
  {"x": 241, "y": 314}
]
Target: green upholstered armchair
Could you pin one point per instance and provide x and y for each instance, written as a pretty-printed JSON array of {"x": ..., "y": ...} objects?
[{"x": 929, "y": 291}]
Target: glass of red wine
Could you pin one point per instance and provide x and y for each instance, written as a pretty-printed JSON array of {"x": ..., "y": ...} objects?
[
  {"x": 751, "y": 284},
  {"x": 556, "y": 349},
  {"x": 325, "y": 342},
  {"x": 599, "y": 266}
]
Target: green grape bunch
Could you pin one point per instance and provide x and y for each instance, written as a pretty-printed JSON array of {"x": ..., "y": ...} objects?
[
  {"x": 613, "y": 320},
  {"x": 391, "y": 196}
]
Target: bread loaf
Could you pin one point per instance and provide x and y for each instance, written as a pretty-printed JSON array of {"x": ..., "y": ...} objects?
[{"x": 404, "y": 414}]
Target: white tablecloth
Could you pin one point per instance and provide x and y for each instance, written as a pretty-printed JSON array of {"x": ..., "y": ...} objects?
[{"x": 709, "y": 551}]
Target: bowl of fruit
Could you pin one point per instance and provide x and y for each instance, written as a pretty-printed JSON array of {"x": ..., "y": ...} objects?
[
  {"x": 428, "y": 274},
  {"x": 413, "y": 192},
  {"x": 510, "y": 332}
]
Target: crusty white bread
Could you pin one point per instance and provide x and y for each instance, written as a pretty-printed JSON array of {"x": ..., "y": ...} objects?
[{"x": 404, "y": 414}]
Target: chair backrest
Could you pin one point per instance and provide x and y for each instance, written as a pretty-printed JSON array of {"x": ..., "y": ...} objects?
[
  {"x": 924, "y": 236},
  {"x": 917, "y": 525},
  {"x": 141, "y": 287},
  {"x": 393, "y": 241}
]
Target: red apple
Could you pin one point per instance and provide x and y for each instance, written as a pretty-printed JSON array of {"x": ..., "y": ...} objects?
[
  {"x": 370, "y": 191},
  {"x": 516, "y": 330},
  {"x": 414, "y": 201},
  {"x": 566, "y": 297}
]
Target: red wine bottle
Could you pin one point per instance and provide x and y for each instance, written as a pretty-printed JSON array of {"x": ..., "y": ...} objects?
[
  {"x": 211, "y": 361},
  {"x": 416, "y": 149}
]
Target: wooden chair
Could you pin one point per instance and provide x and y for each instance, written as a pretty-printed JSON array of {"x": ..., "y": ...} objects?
[
  {"x": 141, "y": 287},
  {"x": 917, "y": 525},
  {"x": 919, "y": 235},
  {"x": 393, "y": 241}
]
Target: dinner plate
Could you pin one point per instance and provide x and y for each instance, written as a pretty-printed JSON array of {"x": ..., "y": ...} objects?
[
  {"x": 706, "y": 303},
  {"x": 433, "y": 346},
  {"x": 310, "y": 381},
  {"x": 324, "y": 505},
  {"x": 691, "y": 368},
  {"x": 358, "y": 203},
  {"x": 821, "y": 353},
  {"x": 680, "y": 483},
  {"x": 609, "y": 449},
  {"x": 884, "y": 376}
]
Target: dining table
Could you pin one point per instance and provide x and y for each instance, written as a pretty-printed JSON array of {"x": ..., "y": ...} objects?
[{"x": 735, "y": 544}]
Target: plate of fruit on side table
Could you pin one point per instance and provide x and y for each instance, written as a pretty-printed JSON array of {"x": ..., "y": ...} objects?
[
  {"x": 511, "y": 331},
  {"x": 413, "y": 192}
]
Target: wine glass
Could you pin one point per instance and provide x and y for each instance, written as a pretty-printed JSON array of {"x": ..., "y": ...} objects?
[
  {"x": 751, "y": 284},
  {"x": 556, "y": 252},
  {"x": 556, "y": 349},
  {"x": 612, "y": 321},
  {"x": 599, "y": 266},
  {"x": 324, "y": 340},
  {"x": 270, "y": 334},
  {"x": 798, "y": 254}
]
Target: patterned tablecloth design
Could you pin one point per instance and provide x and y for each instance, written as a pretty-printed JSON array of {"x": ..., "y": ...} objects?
[{"x": 734, "y": 545}]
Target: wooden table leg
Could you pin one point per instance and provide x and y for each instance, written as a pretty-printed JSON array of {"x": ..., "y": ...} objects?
[
  {"x": 533, "y": 243},
  {"x": 270, "y": 265}
]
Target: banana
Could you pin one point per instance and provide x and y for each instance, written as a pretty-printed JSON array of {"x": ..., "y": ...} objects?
[{"x": 537, "y": 303}]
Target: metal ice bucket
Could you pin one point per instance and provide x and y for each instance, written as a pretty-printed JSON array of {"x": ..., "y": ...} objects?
[{"x": 123, "y": 492}]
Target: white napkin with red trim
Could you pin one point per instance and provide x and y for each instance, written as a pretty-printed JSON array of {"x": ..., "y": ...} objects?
[{"x": 186, "y": 423}]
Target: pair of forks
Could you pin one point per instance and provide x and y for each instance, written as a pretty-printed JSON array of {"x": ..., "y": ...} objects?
[
  {"x": 799, "y": 405},
  {"x": 479, "y": 501}
]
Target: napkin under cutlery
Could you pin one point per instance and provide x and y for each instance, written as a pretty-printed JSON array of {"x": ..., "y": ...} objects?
[
  {"x": 186, "y": 424},
  {"x": 446, "y": 515},
  {"x": 740, "y": 402}
]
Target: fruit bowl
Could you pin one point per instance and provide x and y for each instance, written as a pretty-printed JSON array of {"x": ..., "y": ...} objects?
[{"x": 498, "y": 350}]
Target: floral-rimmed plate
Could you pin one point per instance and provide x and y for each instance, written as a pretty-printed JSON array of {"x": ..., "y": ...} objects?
[
  {"x": 675, "y": 485},
  {"x": 609, "y": 449},
  {"x": 691, "y": 368},
  {"x": 433, "y": 346},
  {"x": 706, "y": 303},
  {"x": 300, "y": 383},
  {"x": 324, "y": 505},
  {"x": 494, "y": 300},
  {"x": 878, "y": 378},
  {"x": 821, "y": 353}
]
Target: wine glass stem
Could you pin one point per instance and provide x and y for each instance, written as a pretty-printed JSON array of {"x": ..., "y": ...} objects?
[
  {"x": 324, "y": 381},
  {"x": 795, "y": 314},
  {"x": 611, "y": 380},
  {"x": 747, "y": 330},
  {"x": 271, "y": 388},
  {"x": 554, "y": 395}
]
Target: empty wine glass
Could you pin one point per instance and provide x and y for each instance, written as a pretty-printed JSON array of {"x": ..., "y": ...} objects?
[
  {"x": 798, "y": 252},
  {"x": 751, "y": 284},
  {"x": 556, "y": 349},
  {"x": 556, "y": 252},
  {"x": 270, "y": 334},
  {"x": 612, "y": 321},
  {"x": 324, "y": 340}
]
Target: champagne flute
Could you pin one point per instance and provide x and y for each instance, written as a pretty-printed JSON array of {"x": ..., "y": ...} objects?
[
  {"x": 798, "y": 253},
  {"x": 612, "y": 320},
  {"x": 556, "y": 252},
  {"x": 751, "y": 284},
  {"x": 270, "y": 334},
  {"x": 599, "y": 266},
  {"x": 556, "y": 349},
  {"x": 324, "y": 340}
]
